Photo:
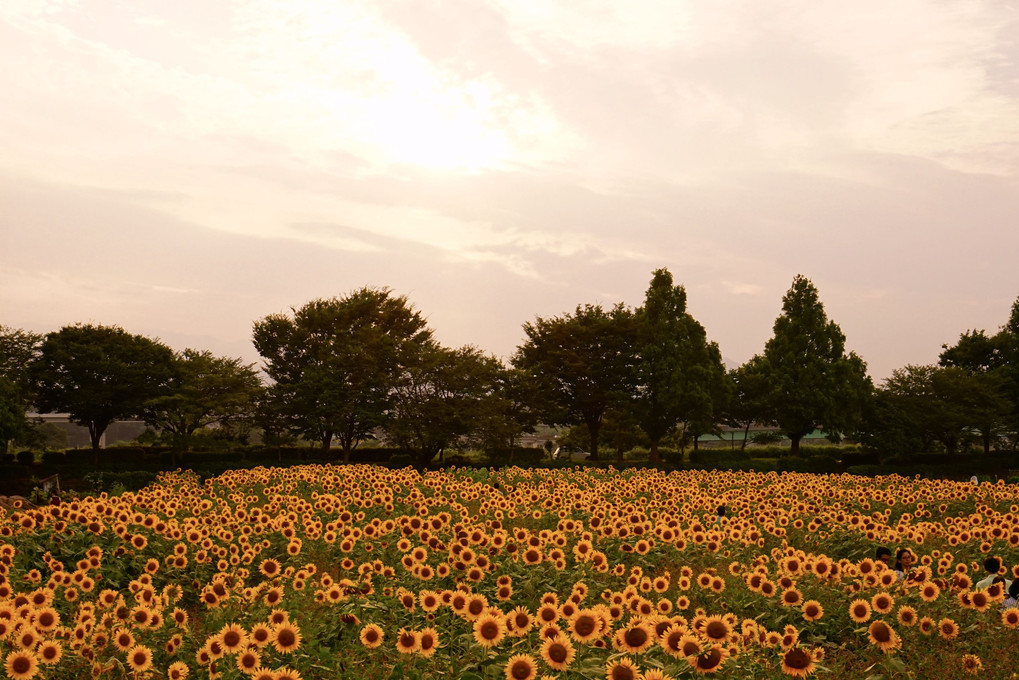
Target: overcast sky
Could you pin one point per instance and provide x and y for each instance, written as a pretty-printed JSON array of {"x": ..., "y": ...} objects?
[{"x": 184, "y": 168}]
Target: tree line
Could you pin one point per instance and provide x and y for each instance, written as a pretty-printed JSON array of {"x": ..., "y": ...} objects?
[{"x": 344, "y": 370}]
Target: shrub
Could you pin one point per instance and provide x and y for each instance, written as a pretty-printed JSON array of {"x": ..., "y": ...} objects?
[
  {"x": 400, "y": 460},
  {"x": 717, "y": 456},
  {"x": 816, "y": 464},
  {"x": 54, "y": 458}
]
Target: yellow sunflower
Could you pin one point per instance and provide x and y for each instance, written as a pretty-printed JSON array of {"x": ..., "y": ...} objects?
[
  {"x": 489, "y": 630},
  {"x": 709, "y": 660},
  {"x": 286, "y": 637},
  {"x": 622, "y": 669},
  {"x": 407, "y": 641},
  {"x": 881, "y": 635},
  {"x": 371, "y": 636},
  {"x": 521, "y": 667},
  {"x": 21, "y": 664},
  {"x": 178, "y": 670},
  {"x": 859, "y": 611},
  {"x": 798, "y": 662},
  {"x": 812, "y": 610},
  {"x": 139, "y": 658},
  {"x": 429, "y": 641},
  {"x": 557, "y": 653}
]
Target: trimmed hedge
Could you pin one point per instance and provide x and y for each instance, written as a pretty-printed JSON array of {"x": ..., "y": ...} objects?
[{"x": 815, "y": 464}]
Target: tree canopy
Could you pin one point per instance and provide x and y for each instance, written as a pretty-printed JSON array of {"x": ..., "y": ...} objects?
[
  {"x": 814, "y": 383},
  {"x": 679, "y": 376},
  {"x": 442, "y": 397},
  {"x": 203, "y": 390},
  {"x": 750, "y": 400},
  {"x": 18, "y": 351},
  {"x": 335, "y": 362},
  {"x": 98, "y": 374},
  {"x": 580, "y": 364}
]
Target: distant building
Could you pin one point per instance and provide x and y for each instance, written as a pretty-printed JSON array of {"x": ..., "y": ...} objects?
[
  {"x": 77, "y": 435},
  {"x": 538, "y": 438}
]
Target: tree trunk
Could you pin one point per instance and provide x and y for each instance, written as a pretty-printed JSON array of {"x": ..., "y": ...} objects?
[
  {"x": 794, "y": 445},
  {"x": 593, "y": 427},
  {"x": 95, "y": 434},
  {"x": 326, "y": 439},
  {"x": 654, "y": 451},
  {"x": 746, "y": 433}
]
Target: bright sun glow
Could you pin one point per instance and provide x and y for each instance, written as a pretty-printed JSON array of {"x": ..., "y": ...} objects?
[
  {"x": 419, "y": 117},
  {"x": 441, "y": 139}
]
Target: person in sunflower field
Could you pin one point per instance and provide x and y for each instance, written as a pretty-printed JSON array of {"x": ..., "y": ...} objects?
[
  {"x": 992, "y": 565},
  {"x": 903, "y": 562},
  {"x": 1012, "y": 598}
]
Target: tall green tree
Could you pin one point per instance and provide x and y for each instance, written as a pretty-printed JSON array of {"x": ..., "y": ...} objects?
[
  {"x": 985, "y": 389},
  {"x": 18, "y": 351},
  {"x": 441, "y": 398},
  {"x": 203, "y": 390},
  {"x": 580, "y": 364},
  {"x": 815, "y": 384},
  {"x": 504, "y": 414},
  {"x": 679, "y": 374},
  {"x": 750, "y": 403},
  {"x": 1010, "y": 349},
  {"x": 12, "y": 413},
  {"x": 98, "y": 374},
  {"x": 939, "y": 406},
  {"x": 335, "y": 362}
]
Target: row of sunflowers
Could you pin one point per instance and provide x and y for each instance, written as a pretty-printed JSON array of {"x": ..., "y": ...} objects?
[{"x": 359, "y": 571}]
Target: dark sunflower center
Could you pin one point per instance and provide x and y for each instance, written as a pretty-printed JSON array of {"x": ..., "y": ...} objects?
[{"x": 797, "y": 659}]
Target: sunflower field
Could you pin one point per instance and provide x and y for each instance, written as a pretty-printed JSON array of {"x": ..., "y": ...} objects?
[{"x": 320, "y": 572}]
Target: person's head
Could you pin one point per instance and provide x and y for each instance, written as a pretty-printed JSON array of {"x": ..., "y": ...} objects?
[
  {"x": 721, "y": 511},
  {"x": 904, "y": 557},
  {"x": 883, "y": 554},
  {"x": 1013, "y": 590},
  {"x": 992, "y": 565}
]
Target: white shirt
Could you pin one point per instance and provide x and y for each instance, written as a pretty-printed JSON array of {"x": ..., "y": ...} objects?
[{"x": 987, "y": 582}]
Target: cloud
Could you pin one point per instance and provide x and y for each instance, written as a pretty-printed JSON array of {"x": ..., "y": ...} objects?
[
  {"x": 500, "y": 159},
  {"x": 740, "y": 288}
]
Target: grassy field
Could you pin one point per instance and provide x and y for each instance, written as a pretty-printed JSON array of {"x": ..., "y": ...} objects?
[{"x": 358, "y": 571}]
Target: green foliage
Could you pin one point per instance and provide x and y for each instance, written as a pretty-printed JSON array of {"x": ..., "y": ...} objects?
[
  {"x": 766, "y": 438},
  {"x": 12, "y": 413},
  {"x": 814, "y": 383},
  {"x": 928, "y": 408},
  {"x": 117, "y": 482},
  {"x": 988, "y": 395},
  {"x": 441, "y": 396},
  {"x": 203, "y": 390},
  {"x": 335, "y": 363},
  {"x": 400, "y": 460},
  {"x": 18, "y": 351},
  {"x": 818, "y": 464},
  {"x": 99, "y": 374},
  {"x": 579, "y": 364},
  {"x": 503, "y": 413},
  {"x": 749, "y": 402},
  {"x": 679, "y": 375}
]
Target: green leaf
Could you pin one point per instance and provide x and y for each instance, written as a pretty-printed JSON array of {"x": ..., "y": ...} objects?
[{"x": 896, "y": 664}]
